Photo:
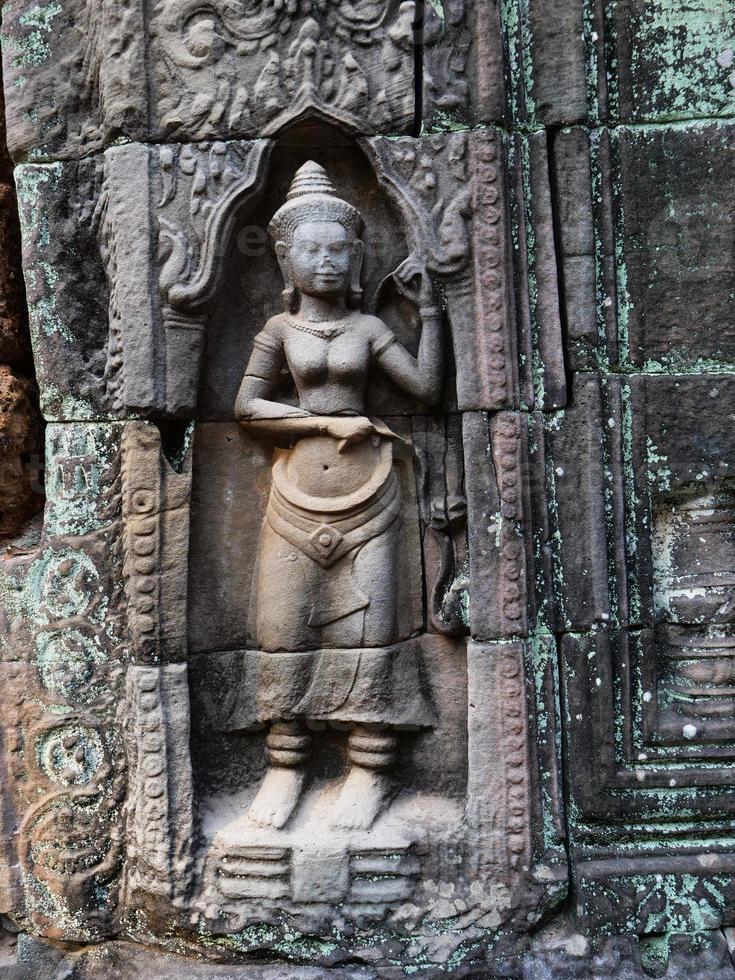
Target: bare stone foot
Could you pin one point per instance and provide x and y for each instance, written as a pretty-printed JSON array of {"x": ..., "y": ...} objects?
[
  {"x": 278, "y": 796},
  {"x": 364, "y": 795}
]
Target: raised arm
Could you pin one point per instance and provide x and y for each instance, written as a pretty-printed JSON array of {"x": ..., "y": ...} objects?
[{"x": 420, "y": 376}]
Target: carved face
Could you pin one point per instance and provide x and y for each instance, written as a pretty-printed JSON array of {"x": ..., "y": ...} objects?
[{"x": 320, "y": 256}]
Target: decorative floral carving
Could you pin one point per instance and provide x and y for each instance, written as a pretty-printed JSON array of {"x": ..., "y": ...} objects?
[
  {"x": 451, "y": 194},
  {"x": 255, "y": 66},
  {"x": 202, "y": 188},
  {"x": 69, "y": 841}
]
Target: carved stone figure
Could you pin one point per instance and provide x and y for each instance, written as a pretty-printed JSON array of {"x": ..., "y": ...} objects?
[
  {"x": 415, "y": 657},
  {"x": 326, "y": 576}
]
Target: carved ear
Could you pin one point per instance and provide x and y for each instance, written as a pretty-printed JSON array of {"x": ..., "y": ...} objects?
[
  {"x": 358, "y": 253},
  {"x": 290, "y": 297},
  {"x": 284, "y": 260}
]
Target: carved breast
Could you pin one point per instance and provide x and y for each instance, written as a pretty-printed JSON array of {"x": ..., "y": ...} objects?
[{"x": 343, "y": 361}]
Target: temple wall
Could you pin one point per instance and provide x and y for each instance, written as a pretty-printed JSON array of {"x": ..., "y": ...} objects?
[{"x": 499, "y": 737}]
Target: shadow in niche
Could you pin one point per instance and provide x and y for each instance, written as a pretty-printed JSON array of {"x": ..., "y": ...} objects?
[{"x": 175, "y": 440}]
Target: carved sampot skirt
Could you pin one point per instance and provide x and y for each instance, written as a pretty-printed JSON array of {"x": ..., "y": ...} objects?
[{"x": 327, "y": 581}]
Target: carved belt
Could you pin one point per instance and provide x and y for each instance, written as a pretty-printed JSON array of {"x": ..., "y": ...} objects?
[{"x": 328, "y": 537}]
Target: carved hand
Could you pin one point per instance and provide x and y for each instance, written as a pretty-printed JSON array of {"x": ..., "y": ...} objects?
[
  {"x": 422, "y": 292},
  {"x": 350, "y": 430}
]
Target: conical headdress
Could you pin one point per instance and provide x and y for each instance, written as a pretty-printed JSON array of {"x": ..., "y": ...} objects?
[{"x": 312, "y": 197}]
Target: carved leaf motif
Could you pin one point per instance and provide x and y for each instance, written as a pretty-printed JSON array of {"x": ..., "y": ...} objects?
[
  {"x": 246, "y": 64},
  {"x": 176, "y": 252},
  {"x": 442, "y": 208},
  {"x": 199, "y": 188}
]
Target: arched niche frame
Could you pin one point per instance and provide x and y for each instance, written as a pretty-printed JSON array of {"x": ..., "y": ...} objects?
[
  {"x": 184, "y": 201},
  {"x": 209, "y": 186},
  {"x": 170, "y": 210},
  {"x": 449, "y": 190}
]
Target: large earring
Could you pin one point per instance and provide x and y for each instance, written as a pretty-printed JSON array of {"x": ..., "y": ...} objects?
[
  {"x": 354, "y": 298},
  {"x": 290, "y": 299},
  {"x": 290, "y": 294}
]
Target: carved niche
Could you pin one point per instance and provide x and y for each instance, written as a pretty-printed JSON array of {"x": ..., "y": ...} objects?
[
  {"x": 694, "y": 601},
  {"x": 294, "y": 727},
  {"x": 647, "y": 658}
]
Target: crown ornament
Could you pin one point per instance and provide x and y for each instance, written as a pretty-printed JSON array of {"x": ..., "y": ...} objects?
[{"x": 313, "y": 197}]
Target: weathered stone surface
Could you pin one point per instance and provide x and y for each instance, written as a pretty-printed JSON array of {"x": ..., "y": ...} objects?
[
  {"x": 662, "y": 260},
  {"x": 380, "y": 621},
  {"x": 554, "y": 953},
  {"x": 541, "y": 356},
  {"x": 64, "y": 635},
  {"x": 74, "y": 75},
  {"x": 638, "y": 454},
  {"x": 20, "y": 452},
  {"x": 80, "y": 75},
  {"x": 673, "y": 61},
  {"x": 676, "y": 236},
  {"x": 66, "y": 288},
  {"x": 463, "y": 63},
  {"x": 499, "y": 523},
  {"x": 228, "y": 506},
  {"x": 634, "y": 62},
  {"x": 14, "y": 346},
  {"x": 188, "y": 568}
]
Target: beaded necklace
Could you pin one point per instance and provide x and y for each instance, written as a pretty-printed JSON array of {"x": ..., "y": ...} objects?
[{"x": 325, "y": 331}]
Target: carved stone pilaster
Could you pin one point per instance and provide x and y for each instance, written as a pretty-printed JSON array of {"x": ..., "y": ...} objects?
[
  {"x": 501, "y": 604},
  {"x": 155, "y": 493},
  {"x": 499, "y": 767},
  {"x": 160, "y": 809}
]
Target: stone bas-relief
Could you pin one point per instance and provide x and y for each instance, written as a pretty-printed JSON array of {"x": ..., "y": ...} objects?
[
  {"x": 299, "y": 700},
  {"x": 335, "y": 499},
  {"x": 166, "y": 71},
  {"x": 379, "y": 620},
  {"x": 349, "y": 694}
]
